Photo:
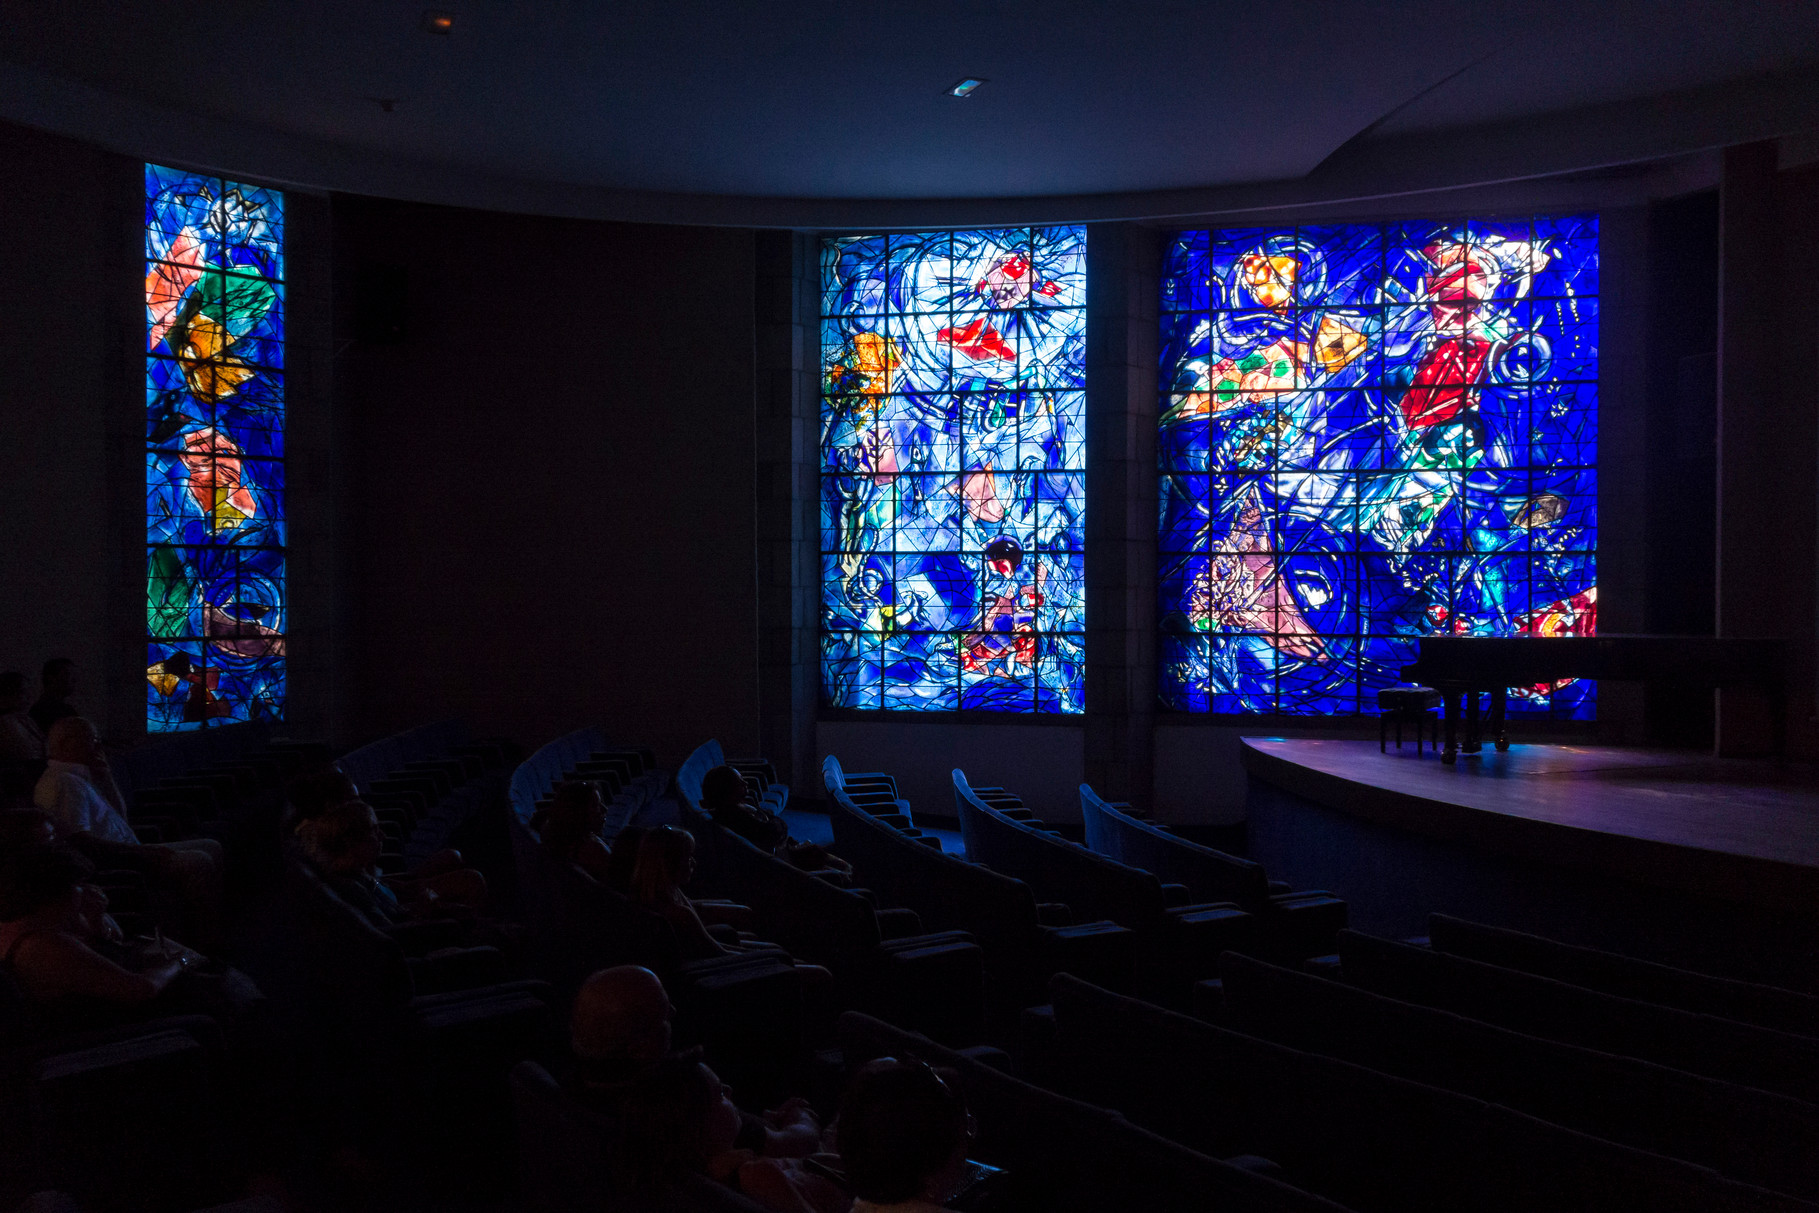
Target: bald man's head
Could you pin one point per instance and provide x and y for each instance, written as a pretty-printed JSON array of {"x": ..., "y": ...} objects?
[{"x": 621, "y": 1013}]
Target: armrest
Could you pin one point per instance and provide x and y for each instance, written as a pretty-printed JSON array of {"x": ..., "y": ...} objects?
[
  {"x": 928, "y": 840},
  {"x": 1207, "y": 931},
  {"x": 833, "y": 876},
  {"x": 1053, "y": 914},
  {"x": 456, "y": 969},
  {"x": 1102, "y": 952},
  {"x": 419, "y": 938},
  {"x": 1174, "y": 894}
]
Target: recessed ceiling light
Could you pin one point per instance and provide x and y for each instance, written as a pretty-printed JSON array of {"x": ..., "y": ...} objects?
[
  {"x": 965, "y": 87},
  {"x": 438, "y": 23}
]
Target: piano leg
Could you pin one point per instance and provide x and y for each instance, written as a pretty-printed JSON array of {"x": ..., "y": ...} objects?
[
  {"x": 1450, "y": 753},
  {"x": 1499, "y": 707},
  {"x": 1474, "y": 730}
]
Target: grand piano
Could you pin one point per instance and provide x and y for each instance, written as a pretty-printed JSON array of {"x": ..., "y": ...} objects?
[{"x": 1462, "y": 668}]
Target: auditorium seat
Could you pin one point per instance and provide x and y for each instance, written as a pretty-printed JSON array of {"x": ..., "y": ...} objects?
[
  {"x": 224, "y": 783},
  {"x": 121, "y": 1116},
  {"x": 1371, "y": 1140},
  {"x": 757, "y": 773},
  {"x": 385, "y": 1059},
  {"x": 1290, "y": 925},
  {"x": 1646, "y": 981},
  {"x": 881, "y": 958},
  {"x": 1701, "y": 1044},
  {"x": 1061, "y": 1155},
  {"x": 1023, "y": 942},
  {"x": 1750, "y": 1135},
  {"x": 1177, "y": 942},
  {"x": 430, "y": 780}
]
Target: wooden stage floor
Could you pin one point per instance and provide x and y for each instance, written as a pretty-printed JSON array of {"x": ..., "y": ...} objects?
[{"x": 1736, "y": 828}]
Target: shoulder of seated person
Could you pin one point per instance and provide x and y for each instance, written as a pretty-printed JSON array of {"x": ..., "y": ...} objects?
[{"x": 49, "y": 943}]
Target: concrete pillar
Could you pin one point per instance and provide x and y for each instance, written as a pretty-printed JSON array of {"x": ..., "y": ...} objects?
[
  {"x": 788, "y": 557},
  {"x": 1122, "y": 264},
  {"x": 1751, "y": 529}
]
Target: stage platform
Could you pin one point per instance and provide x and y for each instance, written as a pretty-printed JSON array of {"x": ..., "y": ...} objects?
[{"x": 1500, "y": 835}]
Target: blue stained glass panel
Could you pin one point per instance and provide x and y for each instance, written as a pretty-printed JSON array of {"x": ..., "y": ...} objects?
[
  {"x": 953, "y": 423},
  {"x": 1371, "y": 433},
  {"x": 216, "y": 530}
]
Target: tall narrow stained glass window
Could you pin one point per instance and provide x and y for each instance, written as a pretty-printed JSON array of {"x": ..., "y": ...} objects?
[
  {"x": 953, "y": 470},
  {"x": 1371, "y": 433},
  {"x": 214, "y": 451}
]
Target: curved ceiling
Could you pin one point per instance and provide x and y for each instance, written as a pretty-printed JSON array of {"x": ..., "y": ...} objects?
[{"x": 840, "y": 101}]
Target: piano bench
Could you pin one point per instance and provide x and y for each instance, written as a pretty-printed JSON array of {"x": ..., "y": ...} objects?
[{"x": 1407, "y": 705}]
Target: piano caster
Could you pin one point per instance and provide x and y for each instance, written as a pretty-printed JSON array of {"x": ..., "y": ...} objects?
[
  {"x": 1503, "y": 745},
  {"x": 1449, "y": 756}
]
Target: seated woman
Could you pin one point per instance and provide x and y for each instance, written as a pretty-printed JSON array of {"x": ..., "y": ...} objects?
[
  {"x": 343, "y": 844},
  {"x": 713, "y": 911},
  {"x": 570, "y": 829},
  {"x": 64, "y": 950},
  {"x": 681, "y": 1122},
  {"x": 903, "y": 1138},
  {"x": 726, "y": 798},
  {"x": 316, "y": 791},
  {"x": 666, "y": 862}
]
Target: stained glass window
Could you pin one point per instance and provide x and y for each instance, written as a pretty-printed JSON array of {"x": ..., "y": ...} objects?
[
  {"x": 214, "y": 450},
  {"x": 953, "y": 470},
  {"x": 1371, "y": 433}
]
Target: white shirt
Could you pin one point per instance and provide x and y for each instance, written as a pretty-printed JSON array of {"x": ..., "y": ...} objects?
[
  {"x": 20, "y": 738},
  {"x": 66, "y": 793}
]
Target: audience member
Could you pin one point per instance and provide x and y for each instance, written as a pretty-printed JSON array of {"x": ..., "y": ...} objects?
[
  {"x": 666, "y": 862},
  {"x": 680, "y": 1121},
  {"x": 61, "y": 945},
  {"x": 621, "y": 1027},
  {"x": 78, "y": 791},
  {"x": 56, "y": 683},
  {"x": 312, "y": 792},
  {"x": 903, "y": 1136},
  {"x": 570, "y": 828},
  {"x": 344, "y": 843},
  {"x": 726, "y": 798},
  {"x": 315, "y": 792},
  {"x": 21, "y": 740},
  {"x": 77, "y": 788}
]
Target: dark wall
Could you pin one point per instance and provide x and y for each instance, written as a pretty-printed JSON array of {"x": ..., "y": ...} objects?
[
  {"x": 549, "y": 481},
  {"x": 1682, "y": 381},
  {"x": 72, "y": 572}
]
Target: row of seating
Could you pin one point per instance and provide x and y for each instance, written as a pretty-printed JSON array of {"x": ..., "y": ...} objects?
[
  {"x": 1290, "y": 924},
  {"x": 1369, "y": 1139},
  {"x": 1024, "y": 941},
  {"x": 1746, "y": 1133},
  {"x": 1177, "y": 941},
  {"x": 1063, "y": 1154},
  {"x": 428, "y": 782},
  {"x": 748, "y": 1009},
  {"x": 1542, "y": 1006},
  {"x": 881, "y": 955}
]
